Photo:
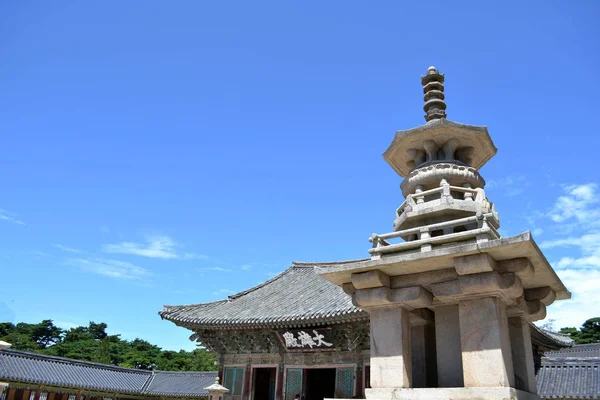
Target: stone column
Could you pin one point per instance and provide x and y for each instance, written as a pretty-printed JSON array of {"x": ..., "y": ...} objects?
[
  {"x": 448, "y": 347},
  {"x": 485, "y": 343},
  {"x": 424, "y": 369},
  {"x": 522, "y": 354},
  {"x": 390, "y": 348}
]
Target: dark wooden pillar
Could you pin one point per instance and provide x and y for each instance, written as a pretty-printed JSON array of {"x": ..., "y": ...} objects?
[
  {"x": 246, "y": 385},
  {"x": 220, "y": 371},
  {"x": 50, "y": 396},
  {"x": 279, "y": 387},
  {"x": 26, "y": 394},
  {"x": 358, "y": 381},
  {"x": 10, "y": 395}
]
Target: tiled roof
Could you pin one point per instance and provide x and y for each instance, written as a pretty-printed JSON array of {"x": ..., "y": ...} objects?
[
  {"x": 43, "y": 370},
  {"x": 180, "y": 384},
  {"x": 579, "y": 350},
  {"x": 548, "y": 340},
  {"x": 297, "y": 296},
  {"x": 569, "y": 378}
]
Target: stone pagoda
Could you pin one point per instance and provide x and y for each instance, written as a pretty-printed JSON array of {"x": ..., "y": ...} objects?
[{"x": 444, "y": 281}]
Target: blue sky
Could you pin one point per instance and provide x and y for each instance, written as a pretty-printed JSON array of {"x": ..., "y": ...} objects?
[{"x": 176, "y": 153}]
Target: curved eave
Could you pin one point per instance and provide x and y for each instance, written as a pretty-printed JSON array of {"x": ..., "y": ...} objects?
[{"x": 290, "y": 322}]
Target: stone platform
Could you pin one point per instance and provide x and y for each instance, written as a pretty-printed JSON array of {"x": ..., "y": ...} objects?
[{"x": 474, "y": 393}]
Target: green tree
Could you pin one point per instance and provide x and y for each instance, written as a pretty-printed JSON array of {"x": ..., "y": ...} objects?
[
  {"x": 46, "y": 334},
  {"x": 93, "y": 343},
  {"x": 31, "y": 337},
  {"x": 588, "y": 333}
]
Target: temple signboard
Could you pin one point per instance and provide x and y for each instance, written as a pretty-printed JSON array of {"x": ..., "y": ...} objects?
[{"x": 306, "y": 339}]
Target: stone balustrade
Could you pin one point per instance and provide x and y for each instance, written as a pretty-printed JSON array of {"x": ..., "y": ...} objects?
[
  {"x": 455, "y": 192},
  {"x": 424, "y": 206},
  {"x": 483, "y": 231}
]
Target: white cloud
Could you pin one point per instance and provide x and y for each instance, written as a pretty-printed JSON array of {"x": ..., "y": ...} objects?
[
  {"x": 155, "y": 247},
  {"x": 578, "y": 213},
  {"x": 67, "y": 324},
  {"x": 68, "y": 249},
  {"x": 249, "y": 266},
  {"x": 509, "y": 185},
  {"x": 220, "y": 269},
  {"x": 585, "y": 302},
  {"x": 222, "y": 292},
  {"x": 10, "y": 217},
  {"x": 588, "y": 242},
  {"x": 577, "y": 203},
  {"x": 111, "y": 268}
]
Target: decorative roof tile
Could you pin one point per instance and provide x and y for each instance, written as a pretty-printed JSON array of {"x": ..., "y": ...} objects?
[{"x": 296, "y": 296}]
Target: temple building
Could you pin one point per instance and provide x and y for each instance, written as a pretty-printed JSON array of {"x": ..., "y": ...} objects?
[{"x": 442, "y": 308}]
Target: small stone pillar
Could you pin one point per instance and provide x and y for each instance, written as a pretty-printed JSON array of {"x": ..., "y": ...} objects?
[
  {"x": 449, "y": 356},
  {"x": 424, "y": 370},
  {"x": 486, "y": 351},
  {"x": 216, "y": 391},
  {"x": 390, "y": 347},
  {"x": 522, "y": 354}
]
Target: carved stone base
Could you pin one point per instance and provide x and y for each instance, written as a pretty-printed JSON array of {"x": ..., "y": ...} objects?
[{"x": 474, "y": 393}]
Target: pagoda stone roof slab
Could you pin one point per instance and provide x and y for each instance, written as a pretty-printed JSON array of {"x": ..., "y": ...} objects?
[
  {"x": 440, "y": 131},
  {"x": 407, "y": 263}
]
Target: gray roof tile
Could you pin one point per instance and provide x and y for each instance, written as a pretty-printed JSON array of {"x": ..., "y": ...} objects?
[
  {"x": 56, "y": 371},
  {"x": 548, "y": 340},
  {"x": 297, "y": 295},
  {"x": 569, "y": 378},
  {"x": 182, "y": 384},
  {"x": 39, "y": 369},
  {"x": 579, "y": 350}
]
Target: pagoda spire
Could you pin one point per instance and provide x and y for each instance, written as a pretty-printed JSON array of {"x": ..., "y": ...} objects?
[{"x": 433, "y": 88}]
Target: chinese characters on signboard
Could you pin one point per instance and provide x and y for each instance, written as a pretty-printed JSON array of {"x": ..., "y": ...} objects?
[{"x": 305, "y": 339}]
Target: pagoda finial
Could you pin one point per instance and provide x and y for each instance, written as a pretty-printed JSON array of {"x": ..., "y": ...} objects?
[{"x": 433, "y": 88}]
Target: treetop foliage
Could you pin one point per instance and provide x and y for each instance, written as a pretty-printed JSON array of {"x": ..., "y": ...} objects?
[
  {"x": 93, "y": 343},
  {"x": 588, "y": 333}
]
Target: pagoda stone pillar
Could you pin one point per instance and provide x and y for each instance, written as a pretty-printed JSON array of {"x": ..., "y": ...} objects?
[
  {"x": 522, "y": 354},
  {"x": 448, "y": 346},
  {"x": 485, "y": 344},
  {"x": 391, "y": 364},
  {"x": 531, "y": 307},
  {"x": 446, "y": 258},
  {"x": 423, "y": 349}
]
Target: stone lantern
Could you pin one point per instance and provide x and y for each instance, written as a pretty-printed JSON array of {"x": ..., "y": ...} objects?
[
  {"x": 450, "y": 300},
  {"x": 216, "y": 390}
]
